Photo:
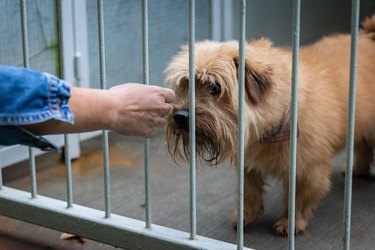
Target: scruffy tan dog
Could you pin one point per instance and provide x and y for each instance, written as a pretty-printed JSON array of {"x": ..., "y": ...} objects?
[{"x": 322, "y": 115}]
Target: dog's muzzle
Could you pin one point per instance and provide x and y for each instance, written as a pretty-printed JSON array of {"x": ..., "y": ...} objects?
[{"x": 181, "y": 119}]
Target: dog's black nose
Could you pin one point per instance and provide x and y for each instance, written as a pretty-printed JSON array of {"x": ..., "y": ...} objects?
[{"x": 181, "y": 119}]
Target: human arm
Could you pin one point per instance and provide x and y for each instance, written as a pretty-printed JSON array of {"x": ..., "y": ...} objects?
[
  {"x": 33, "y": 103},
  {"x": 128, "y": 109}
]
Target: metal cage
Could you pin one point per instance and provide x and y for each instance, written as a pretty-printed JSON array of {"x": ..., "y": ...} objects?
[{"x": 106, "y": 227}]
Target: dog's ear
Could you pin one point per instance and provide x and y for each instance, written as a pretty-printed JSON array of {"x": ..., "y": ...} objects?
[{"x": 257, "y": 80}]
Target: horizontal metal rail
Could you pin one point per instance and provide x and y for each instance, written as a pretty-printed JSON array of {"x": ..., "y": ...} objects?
[{"x": 90, "y": 223}]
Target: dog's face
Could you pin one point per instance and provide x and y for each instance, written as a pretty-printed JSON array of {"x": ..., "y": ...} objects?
[{"x": 216, "y": 79}]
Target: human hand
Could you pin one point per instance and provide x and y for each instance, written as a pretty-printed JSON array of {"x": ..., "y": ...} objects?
[{"x": 138, "y": 109}]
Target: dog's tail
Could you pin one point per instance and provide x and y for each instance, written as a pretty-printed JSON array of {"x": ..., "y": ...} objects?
[{"x": 369, "y": 25}]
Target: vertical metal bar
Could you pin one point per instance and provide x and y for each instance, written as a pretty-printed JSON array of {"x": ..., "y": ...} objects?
[
  {"x": 227, "y": 20},
  {"x": 215, "y": 20},
  {"x": 293, "y": 128},
  {"x": 103, "y": 85},
  {"x": 68, "y": 168},
  {"x": 193, "y": 208},
  {"x": 241, "y": 130},
  {"x": 25, "y": 51},
  {"x": 68, "y": 165},
  {"x": 350, "y": 128},
  {"x": 1, "y": 178},
  {"x": 25, "y": 40},
  {"x": 32, "y": 170},
  {"x": 147, "y": 141}
]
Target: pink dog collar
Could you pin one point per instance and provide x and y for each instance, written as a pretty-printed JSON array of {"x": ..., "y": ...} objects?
[{"x": 281, "y": 132}]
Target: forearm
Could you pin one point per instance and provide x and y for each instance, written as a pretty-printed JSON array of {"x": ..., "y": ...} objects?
[{"x": 92, "y": 111}]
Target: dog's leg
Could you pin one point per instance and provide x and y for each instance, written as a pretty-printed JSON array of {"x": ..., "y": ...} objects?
[
  {"x": 363, "y": 157},
  {"x": 253, "y": 198},
  {"x": 310, "y": 189}
]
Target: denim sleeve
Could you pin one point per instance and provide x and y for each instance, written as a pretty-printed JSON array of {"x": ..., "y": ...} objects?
[{"x": 29, "y": 97}]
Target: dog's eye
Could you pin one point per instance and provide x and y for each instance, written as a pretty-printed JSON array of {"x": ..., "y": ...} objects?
[{"x": 215, "y": 89}]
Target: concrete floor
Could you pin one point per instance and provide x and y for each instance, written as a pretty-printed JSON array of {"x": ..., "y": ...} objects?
[{"x": 216, "y": 195}]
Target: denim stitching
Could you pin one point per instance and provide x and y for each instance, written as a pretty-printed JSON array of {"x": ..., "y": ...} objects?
[{"x": 57, "y": 89}]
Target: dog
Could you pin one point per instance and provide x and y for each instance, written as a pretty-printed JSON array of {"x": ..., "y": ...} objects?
[{"x": 323, "y": 79}]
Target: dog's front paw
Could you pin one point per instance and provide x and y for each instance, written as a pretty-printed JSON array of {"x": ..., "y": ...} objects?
[
  {"x": 249, "y": 216},
  {"x": 280, "y": 228}
]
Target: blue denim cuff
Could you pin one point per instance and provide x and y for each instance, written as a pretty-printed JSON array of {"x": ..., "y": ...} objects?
[
  {"x": 60, "y": 94},
  {"x": 29, "y": 97}
]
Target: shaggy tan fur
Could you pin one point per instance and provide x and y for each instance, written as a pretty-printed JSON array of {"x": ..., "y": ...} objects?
[{"x": 322, "y": 115}]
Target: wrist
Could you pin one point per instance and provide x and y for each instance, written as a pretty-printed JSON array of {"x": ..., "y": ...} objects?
[
  {"x": 92, "y": 109},
  {"x": 110, "y": 111}
]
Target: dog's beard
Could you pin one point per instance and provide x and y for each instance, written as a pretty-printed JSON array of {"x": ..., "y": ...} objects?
[{"x": 216, "y": 136}]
